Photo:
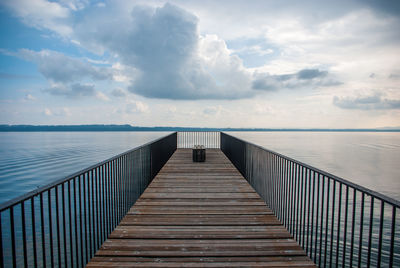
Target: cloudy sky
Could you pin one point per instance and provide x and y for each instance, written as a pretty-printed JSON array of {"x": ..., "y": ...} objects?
[{"x": 274, "y": 64}]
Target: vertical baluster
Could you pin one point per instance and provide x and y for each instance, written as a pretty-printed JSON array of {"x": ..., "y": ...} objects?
[
  {"x": 380, "y": 234},
  {"x": 294, "y": 199},
  {"x": 312, "y": 215},
  {"x": 24, "y": 234},
  {"x": 58, "y": 228},
  {"x": 109, "y": 213},
  {"x": 332, "y": 221},
  {"x": 316, "y": 218},
  {"x": 104, "y": 202},
  {"x": 392, "y": 236},
  {"x": 293, "y": 212},
  {"x": 13, "y": 249},
  {"x": 288, "y": 196},
  {"x": 304, "y": 207},
  {"x": 101, "y": 203},
  {"x": 338, "y": 223},
  {"x": 301, "y": 235},
  {"x": 85, "y": 192},
  {"x": 361, "y": 229},
  {"x": 91, "y": 213},
  {"x": 327, "y": 219},
  {"x": 272, "y": 184},
  {"x": 35, "y": 264},
  {"x": 1, "y": 243},
  {"x": 353, "y": 227},
  {"x": 81, "y": 213},
  {"x": 115, "y": 200},
  {"x": 322, "y": 218},
  {"x": 308, "y": 209},
  {"x": 76, "y": 225},
  {"x": 70, "y": 225},
  {"x": 285, "y": 187},
  {"x": 96, "y": 186},
  {"x": 371, "y": 224},
  {"x": 298, "y": 202},
  {"x": 64, "y": 225},
  {"x": 281, "y": 191},
  {"x": 50, "y": 228},
  {"x": 107, "y": 198},
  {"x": 345, "y": 226},
  {"x": 44, "y": 263}
]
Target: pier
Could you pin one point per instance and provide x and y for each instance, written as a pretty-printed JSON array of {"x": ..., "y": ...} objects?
[
  {"x": 196, "y": 214},
  {"x": 245, "y": 206}
]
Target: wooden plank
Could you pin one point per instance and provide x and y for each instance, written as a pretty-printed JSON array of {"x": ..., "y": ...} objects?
[
  {"x": 200, "y": 195},
  {"x": 189, "y": 210},
  {"x": 206, "y": 189},
  {"x": 200, "y": 220},
  {"x": 200, "y": 215}
]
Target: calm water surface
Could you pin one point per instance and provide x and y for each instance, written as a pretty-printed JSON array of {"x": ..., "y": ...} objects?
[
  {"x": 370, "y": 159},
  {"x": 32, "y": 159}
]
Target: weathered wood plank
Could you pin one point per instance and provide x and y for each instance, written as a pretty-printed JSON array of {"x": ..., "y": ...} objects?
[
  {"x": 182, "y": 220},
  {"x": 200, "y": 215}
]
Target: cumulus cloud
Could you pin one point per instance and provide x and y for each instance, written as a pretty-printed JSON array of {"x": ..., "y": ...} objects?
[
  {"x": 58, "y": 67},
  {"x": 172, "y": 60},
  {"x": 301, "y": 79},
  {"x": 367, "y": 102}
]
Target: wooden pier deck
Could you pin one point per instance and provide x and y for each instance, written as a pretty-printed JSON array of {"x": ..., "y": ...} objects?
[{"x": 200, "y": 215}]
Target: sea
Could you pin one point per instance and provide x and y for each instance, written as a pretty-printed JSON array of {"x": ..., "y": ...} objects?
[{"x": 29, "y": 160}]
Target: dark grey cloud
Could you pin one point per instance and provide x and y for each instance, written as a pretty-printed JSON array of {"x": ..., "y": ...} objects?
[
  {"x": 307, "y": 74},
  {"x": 371, "y": 102},
  {"x": 300, "y": 79},
  {"x": 394, "y": 76},
  {"x": 58, "y": 67},
  {"x": 73, "y": 91}
]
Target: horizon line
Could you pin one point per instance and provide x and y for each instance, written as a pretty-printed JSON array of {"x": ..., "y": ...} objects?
[{"x": 128, "y": 127}]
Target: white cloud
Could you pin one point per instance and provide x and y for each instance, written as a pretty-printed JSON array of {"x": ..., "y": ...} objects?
[
  {"x": 172, "y": 59},
  {"x": 310, "y": 78},
  {"x": 58, "y": 67},
  {"x": 118, "y": 92},
  {"x": 73, "y": 91},
  {"x": 102, "y": 96},
  {"x": 367, "y": 102},
  {"x": 133, "y": 107},
  {"x": 47, "y": 112},
  {"x": 41, "y": 14},
  {"x": 29, "y": 97}
]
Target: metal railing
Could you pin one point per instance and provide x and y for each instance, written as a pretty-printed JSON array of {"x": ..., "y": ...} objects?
[
  {"x": 338, "y": 223},
  {"x": 64, "y": 223},
  {"x": 188, "y": 139}
]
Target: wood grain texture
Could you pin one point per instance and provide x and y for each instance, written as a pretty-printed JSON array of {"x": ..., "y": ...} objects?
[{"x": 200, "y": 215}]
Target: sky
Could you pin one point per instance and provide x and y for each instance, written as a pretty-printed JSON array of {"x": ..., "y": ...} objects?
[{"x": 259, "y": 63}]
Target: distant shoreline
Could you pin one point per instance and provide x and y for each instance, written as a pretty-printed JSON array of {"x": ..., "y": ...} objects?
[{"x": 120, "y": 128}]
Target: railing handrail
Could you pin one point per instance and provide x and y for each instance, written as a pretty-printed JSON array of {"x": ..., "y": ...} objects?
[
  {"x": 60, "y": 181},
  {"x": 377, "y": 195}
]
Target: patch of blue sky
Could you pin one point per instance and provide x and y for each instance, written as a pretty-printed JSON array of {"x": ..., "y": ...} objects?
[{"x": 254, "y": 52}]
